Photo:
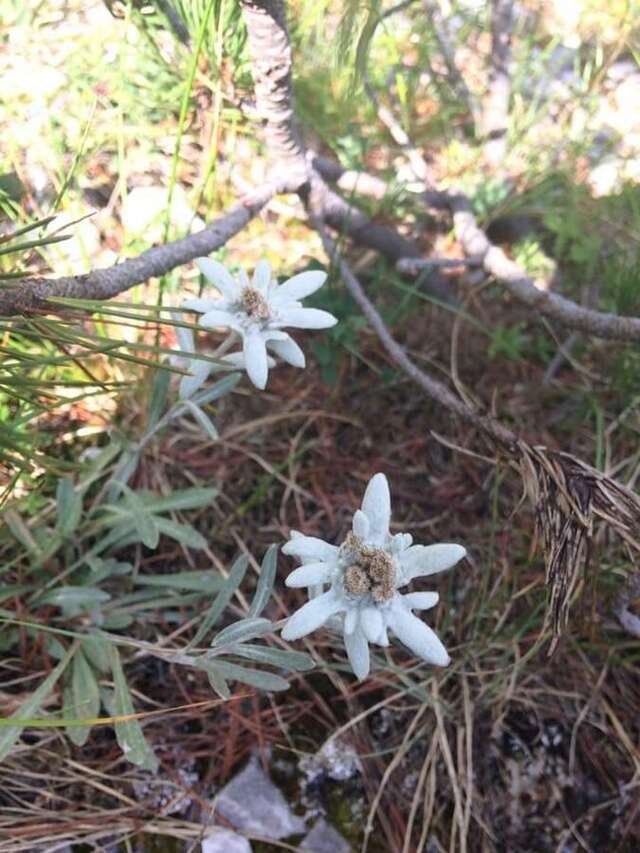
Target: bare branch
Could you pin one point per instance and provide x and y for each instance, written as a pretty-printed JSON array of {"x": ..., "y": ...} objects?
[
  {"x": 477, "y": 245},
  {"x": 29, "y": 294},
  {"x": 270, "y": 50},
  {"x": 272, "y": 66}
]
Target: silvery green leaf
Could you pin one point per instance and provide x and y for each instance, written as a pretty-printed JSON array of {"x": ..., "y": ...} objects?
[
  {"x": 203, "y": 419},
  {"x": 30, "y": 707},
  {"x": 222, "y": 598},
  {"x": 99, "y": 463},
  {"x": 85, "y": 697},
  {"x": 54, "y": 647},
  {"x": 129, "y": 733},
  {"x": 13, "y": 589},
  {"x": 123, "y": 471},
  {"x": 183, "y": 533},
  {"x": 145, "y": 524},
  {"x": 273, "y": 657},
  {"x": 97, "y": 652},
  {"x": 217, "y": 390},
  {"x": 68, "y": 507},
  {"x": 117, "y": 621},
  {"x": 107, "y": 568},
  {"x": 192, "y": 498},
  {"x": 21, "y": 532},
  {"x": 158, "y": 399},
  {"x": 253, "y": 677},
  {"x": 245, "y": 629},
  {"x": 265, "y": 581},
  {"x": 74, "y": 597},
  {"x": 217, "y": 682},
  {"x": 200, "y": 581}
]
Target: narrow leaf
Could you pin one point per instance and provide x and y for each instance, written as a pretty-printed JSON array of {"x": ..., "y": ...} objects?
[
  {"x": 85, "y": 695},
  {"x": 183, "y": 533},
  {"x": 158, "y": 400},
  {"x": 199, "y": 581},
  {"x": 222, "y": 598},
  {"x": 274, "y": 657},
  {"x": 203, "y": 419},
  {"x": 265, "y": 581},
  {"x": 129, "y": 733},
  {"x": 245, "y": 629},
  {"x": 254, "y": 677},
  {"x": 68, "y": 507}
]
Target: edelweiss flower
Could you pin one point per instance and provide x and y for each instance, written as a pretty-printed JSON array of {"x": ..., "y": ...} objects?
[
  {"x": 365, "y": 573},
  {"x": 259, "y": 311}
]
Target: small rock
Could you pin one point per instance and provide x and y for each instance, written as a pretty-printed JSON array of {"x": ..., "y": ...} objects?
[
  {"x": 337, "y": 759},
  {"x": 323, "y": 838},
  {"x": 253, "y": 804},
  {"x": 225, "y": 841}
]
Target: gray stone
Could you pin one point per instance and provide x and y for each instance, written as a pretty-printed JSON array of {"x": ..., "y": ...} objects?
[
  {"x": 225, "y": 841},
  {"x": 253, "y": 804},
  {"x": 323, "y": 838}
]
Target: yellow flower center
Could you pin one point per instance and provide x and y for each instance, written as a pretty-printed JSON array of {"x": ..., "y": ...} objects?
[{"x": 255, "y": 304}]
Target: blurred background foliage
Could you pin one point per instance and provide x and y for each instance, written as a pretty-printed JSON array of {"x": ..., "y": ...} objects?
[{"x": 129, "y": 123}]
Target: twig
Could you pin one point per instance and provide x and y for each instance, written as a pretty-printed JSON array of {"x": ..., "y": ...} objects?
[
  {"x": 436, "y": 390},
  {"x": 495, "y": 262},
  {"x": 413, "y": 266}
]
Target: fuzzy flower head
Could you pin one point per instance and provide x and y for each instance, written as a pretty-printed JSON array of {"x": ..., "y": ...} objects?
[
  {"x": 259, "y": 311},
  {"x": 364, "y": 574}
]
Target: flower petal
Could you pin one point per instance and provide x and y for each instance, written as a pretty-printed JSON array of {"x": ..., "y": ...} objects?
[
  {"x": 262, "y": 276},
  {"x": 376, "y": 505},
  {"x": 218, "y": 317},
  {"x": 420, "y": 600},
  {"x": 372, "y": 624},
  {"x": 311, "y": 616},
  {"x": 298, "y": 286},
  {"x": 309, "y": 574},
  {"x": 417, "y": 636},
  {"x": 184, "y": 337},
  {"x": 310, "y": 548},
  {"x": 236, "y": 359},
  {"x": 350, "y": 620},
  {"x": 255, "y": 358},
  {"x": 360, "y": 524},
  {"x": 198, "y": 374},
  {"x": 358, "y": 652},
  {"x": 289, "y": 351},
  {"x": 219, "y": 276},
  {"x": 306, "y": 318},
  {"x": 422, "y": 560}
]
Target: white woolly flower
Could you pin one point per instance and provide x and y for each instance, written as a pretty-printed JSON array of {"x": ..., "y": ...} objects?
[
  {"x": 258, "y": 311},
  {"x": 364, "y": 574},
  {"x": 198, "y": 368}
]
